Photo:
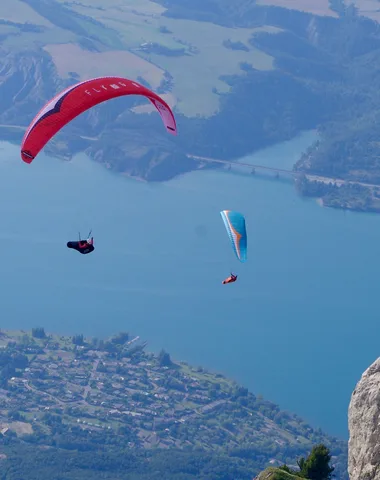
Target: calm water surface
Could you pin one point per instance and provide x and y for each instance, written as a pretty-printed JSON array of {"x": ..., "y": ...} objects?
[{"x": 299, "y": 326}]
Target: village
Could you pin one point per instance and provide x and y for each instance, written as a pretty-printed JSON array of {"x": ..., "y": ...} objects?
[
  {"x": 104, "y": 390},
  {"x": 63, "y": 387}
]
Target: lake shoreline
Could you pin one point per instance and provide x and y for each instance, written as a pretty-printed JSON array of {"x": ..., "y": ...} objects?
[{"x": 337, "y": 201}]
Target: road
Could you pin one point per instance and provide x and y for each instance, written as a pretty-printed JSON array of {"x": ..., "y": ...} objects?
[
  {"x": 242, "y": 164},
  {"x": 93, "y": 371},
  {"x": 310, "y": 177}
]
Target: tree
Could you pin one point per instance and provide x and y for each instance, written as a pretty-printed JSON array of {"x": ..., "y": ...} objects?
[
  {"x": 120, "y": 338},
  {"x": 315, "y": 467},
  {"x": 301, "y": 463},
  {"x": 38, "y": 332},
  {"x": 285, "y": 468},
  {"x": 78, "y": 339},
  {"x": 317, "y": 464},
  {"x": 164, "y": 359}
]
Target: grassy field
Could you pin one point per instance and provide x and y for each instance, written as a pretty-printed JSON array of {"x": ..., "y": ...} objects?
[
  {"x": 136, "y": 22},
  {"x": 21, "y": 428},
  {"x": 127, "y": 24},
  {"x": 142, "y": 6},
  {"x": 149, "y": 108},
  {"x": 20, "y": 12},
  {"x": 72, "y": 58},
  {"x": 204, "y": 376},
  {"x": 272, "y": 473},
  {"x": 29, "y": 39},
  {"x": 316, "y": 7},
  {"x": 196, "y": 75},
  {"x": 368, "y": 8},
  {"x": 16, "y": 335},
  {"x": 8, "y": 29}
]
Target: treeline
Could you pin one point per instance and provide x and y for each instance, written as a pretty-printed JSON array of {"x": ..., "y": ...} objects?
[
  {"x": 114, "y": 463},
  {"x": 124, "y": 464},
  {"x": 316, "y": 466},
  {"x": 348, "y": 196}
]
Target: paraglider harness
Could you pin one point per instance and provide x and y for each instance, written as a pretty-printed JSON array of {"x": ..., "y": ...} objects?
[
  {"x": 84, "y": 247},
  {"x": 231, "y": 279}
]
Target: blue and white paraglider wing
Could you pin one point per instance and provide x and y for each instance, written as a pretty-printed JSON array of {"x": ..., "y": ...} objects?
[{"x": 235, "y": 226}]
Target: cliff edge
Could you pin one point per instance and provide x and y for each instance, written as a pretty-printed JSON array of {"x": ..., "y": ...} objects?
[{"x": 364, "y": 426}]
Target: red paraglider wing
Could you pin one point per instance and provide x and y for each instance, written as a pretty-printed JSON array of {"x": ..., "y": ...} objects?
[{"x": 78, "y": 98}]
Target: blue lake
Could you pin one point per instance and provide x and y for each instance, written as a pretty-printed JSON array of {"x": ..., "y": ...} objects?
[{"x": 299, "y": 326}]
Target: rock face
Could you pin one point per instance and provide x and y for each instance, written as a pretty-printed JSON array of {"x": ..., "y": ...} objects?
[{"x": 364, "y": 426}]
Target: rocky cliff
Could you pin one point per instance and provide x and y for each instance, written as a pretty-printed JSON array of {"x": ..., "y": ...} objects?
[{"x": 364, "y": 426}]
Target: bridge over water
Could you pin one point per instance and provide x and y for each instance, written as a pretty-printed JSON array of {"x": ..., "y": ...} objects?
[
  {"x": 310, "y": 176},
  {"x": 243, "y": 164},
  {"x": 253, "y": 167}
]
